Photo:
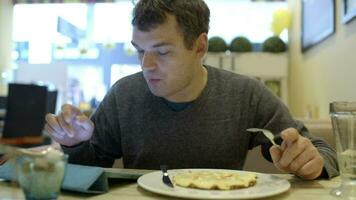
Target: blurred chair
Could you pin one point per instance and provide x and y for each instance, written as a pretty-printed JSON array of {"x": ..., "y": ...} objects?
[
  {"x": 51, "y": 101},
  {"x": 26, "y": 108},
  {"x": 3, "y": 100}
]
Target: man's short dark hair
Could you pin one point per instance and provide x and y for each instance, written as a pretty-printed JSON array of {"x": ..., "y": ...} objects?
[{"x": 192, "y": 16}]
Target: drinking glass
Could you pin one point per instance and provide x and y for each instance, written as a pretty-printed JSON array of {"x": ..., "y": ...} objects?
[
  {"x": 343, "y": 118},
  {"x": 41, "y": 177}
]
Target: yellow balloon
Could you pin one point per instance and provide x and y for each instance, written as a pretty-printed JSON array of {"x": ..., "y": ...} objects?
[{"x": 281, "y": 20}]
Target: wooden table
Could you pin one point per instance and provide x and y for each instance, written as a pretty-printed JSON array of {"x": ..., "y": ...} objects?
[{"x": 119, "y": 189}]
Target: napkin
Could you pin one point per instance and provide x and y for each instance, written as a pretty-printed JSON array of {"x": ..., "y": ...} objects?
[{"x": 81, "y": 178}]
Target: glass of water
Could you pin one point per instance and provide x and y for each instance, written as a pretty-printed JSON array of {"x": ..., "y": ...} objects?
[
  {"x": 41, "y": 177},
  {"x": 343, "y": 118}
]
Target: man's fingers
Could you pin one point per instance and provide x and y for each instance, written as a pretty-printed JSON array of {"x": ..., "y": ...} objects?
[
  {"x": 70, "y": 127},
  {"x": 84, "y": 122},
  {"x": 52, "y": 133},
  {"x": 301, "y": 160},
  {"x": 49, "y": 129},
  {"x": 293, "y": 151},
  {"x": 68, "y": 117},
  {"x": 52, "y": 122},
  {"x": 276, "y": 154},
  {"x": 57, "y": 138},
  {"x": 290, "y": 135},
  {"x": 69, "y": 112},
  {"x": 311, "y": 169},
  {"x": 283, "y": 146},
  {"x": 67, "y": 127}
]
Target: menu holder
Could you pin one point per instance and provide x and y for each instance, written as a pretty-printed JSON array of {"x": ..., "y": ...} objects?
[{"x": 81, "y": 178}]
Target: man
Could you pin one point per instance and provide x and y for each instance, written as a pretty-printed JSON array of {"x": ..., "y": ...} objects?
[{"x": 183, "y": 114}]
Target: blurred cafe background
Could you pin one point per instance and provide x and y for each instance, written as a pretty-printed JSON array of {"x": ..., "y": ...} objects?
[{"x": 71, "y": 51}]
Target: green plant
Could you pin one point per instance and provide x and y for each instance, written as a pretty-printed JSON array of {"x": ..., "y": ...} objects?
[
  {"x": 240, "y": 44},
  {"x": 274, "y": 44},
  {"x": 217, "y": 44}
]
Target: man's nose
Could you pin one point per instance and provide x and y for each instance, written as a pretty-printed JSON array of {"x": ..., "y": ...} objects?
[{"x": 148, "y": 61}]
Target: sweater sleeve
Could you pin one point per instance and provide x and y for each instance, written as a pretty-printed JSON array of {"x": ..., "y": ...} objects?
[
  {"x": 105, "y": 144},
  {"x": 272, "y": 114}
]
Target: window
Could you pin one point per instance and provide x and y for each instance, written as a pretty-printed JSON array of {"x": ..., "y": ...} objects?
[
  {"x": 109, "y": 25},
  {"x": 231, "y": 18}
]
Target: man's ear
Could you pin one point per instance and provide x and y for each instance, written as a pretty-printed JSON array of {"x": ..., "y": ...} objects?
[{"x": 202, "y": 45}]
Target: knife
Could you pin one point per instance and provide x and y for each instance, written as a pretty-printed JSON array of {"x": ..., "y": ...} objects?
[{"x": 165, "y": 178}]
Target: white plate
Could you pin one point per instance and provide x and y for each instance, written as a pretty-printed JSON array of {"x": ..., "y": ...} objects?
[{"x": 267, "y": 185}]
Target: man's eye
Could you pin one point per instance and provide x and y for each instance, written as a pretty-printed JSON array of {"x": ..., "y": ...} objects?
[
  {"x": 140, "y": 51},
  {"x": 162, "y": 53}
]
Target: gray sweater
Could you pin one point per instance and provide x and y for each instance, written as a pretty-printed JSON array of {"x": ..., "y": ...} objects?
[{"x": 133, "y": 124}]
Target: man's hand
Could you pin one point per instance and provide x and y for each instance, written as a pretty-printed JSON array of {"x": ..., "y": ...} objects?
[
  {"x": 297, "y": 155},
  {"x": 70, "y": 127}
]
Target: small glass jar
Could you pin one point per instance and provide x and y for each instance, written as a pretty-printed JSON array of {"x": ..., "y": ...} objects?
[{"x": 41, "y": 177}]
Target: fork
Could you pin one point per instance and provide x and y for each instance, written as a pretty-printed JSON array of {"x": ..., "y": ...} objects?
[{"x": 266, "y": 132}]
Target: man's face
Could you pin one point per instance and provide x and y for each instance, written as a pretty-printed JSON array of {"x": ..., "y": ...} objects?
[{"x": 167, "y": 65}]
